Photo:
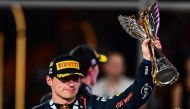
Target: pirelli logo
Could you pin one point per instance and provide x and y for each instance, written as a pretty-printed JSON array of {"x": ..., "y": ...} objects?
[{"x": 67, "y": 64}]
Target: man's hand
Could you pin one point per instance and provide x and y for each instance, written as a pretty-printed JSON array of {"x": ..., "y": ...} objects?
[
  {"x": 145, "y": 49},
  {"x": 157, "y": 44}
]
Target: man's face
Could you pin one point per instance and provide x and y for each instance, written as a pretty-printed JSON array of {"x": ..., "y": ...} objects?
[
  {"x": 115, "y": 66},
  {"x": 66, "y": 88},
  {"x": 94, "y": 74}
]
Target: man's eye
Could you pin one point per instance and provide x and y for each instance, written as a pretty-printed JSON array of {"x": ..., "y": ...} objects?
[
  {"x": 76, "y": 79},
  {"x": 65, "y": 80}
]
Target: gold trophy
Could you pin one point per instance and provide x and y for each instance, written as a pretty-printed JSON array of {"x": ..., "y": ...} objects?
[{"x": 146, "y": 26}]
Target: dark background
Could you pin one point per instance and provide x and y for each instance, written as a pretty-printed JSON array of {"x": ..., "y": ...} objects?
[{"x": 51, "y": 32}]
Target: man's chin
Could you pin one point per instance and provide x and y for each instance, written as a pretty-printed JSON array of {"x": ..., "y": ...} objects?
[
  {"x": 69, "y": 98},
  {"x": 69, "y": 95}
]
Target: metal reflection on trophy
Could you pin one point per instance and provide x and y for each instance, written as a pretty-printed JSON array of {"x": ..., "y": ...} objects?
[{"x": 146, "y": 26}]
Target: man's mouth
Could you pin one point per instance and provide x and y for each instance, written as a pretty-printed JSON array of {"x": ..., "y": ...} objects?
[{"x": 70, "y": 90}]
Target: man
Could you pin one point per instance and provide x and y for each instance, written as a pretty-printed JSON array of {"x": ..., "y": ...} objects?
[
  {"x": 89, "y": 60},
  {"x": 64, "y": 79},
  {"x": 132, "y": 98}
]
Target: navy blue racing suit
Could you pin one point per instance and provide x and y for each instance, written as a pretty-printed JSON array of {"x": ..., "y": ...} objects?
[{"x": 132, "y": 98}]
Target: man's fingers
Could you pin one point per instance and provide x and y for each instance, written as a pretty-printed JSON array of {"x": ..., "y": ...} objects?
[
  {"x": 157, "y": 44},
  {"x": 146, "y": 41},
  {"x": 156, "y": 38}
]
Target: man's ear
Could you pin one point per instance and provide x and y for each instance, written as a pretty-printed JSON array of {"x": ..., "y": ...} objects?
[
  {"x": 90, "y": 70},
  {"x": 49, "y": 80}
]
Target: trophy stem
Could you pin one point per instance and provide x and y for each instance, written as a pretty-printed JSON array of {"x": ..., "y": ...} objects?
[
  {"x": 151, "y": 48},
  {"x": 153, "y": 61}
]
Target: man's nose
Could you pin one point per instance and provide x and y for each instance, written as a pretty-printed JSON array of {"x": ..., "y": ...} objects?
[{"x": 71, "y": 83}]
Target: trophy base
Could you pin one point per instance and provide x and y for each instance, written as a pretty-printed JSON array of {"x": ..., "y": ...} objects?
[{"x": 167, "y": 76}]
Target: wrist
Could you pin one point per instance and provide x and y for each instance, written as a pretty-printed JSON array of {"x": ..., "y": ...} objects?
[{"x": 147, "y": 57}]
